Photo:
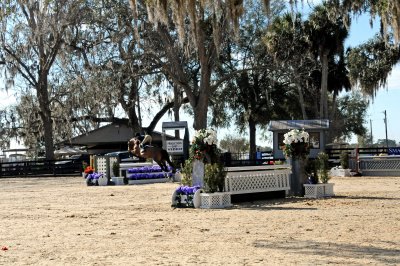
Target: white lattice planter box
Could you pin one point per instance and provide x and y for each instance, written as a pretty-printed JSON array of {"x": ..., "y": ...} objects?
[
  {"x": 340, "y": 172},
  {"x": 318, "y": 190},
  {"x": 215, "y": 200},
  {"x": 147, "y": 181}
]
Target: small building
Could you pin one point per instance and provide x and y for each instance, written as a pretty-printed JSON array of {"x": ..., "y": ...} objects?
[
  {"x": 110, "y": 138},
  {"x": 316, "y": 128}
]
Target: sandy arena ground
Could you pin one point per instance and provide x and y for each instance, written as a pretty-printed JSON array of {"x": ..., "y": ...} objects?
[{"x": 61, "y": 221}]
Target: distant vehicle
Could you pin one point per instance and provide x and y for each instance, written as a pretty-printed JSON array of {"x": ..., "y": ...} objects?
[{"x": 74, "y": 159}]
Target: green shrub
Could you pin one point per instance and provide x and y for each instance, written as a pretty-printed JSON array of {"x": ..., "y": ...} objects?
[
  {"x": 115, "y": 168},
  {"x": 322, "y": 165},
  {"x": 344, "y": 160},
  {"x": 186, "y": 171},
  {"x": 214, "y": 177}
]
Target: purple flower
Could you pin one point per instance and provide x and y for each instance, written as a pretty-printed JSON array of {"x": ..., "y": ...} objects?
[{"x": 186, "y": 190}]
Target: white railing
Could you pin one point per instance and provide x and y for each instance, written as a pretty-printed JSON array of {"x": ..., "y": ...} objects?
[
  {"x": 253, "y": 179},
  {"x": 379, "y": 165}
]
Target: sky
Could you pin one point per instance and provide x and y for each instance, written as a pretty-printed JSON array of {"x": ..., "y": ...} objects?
[{"x": 387, "y": 99}]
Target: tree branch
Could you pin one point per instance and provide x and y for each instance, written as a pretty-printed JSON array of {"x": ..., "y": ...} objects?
[{"x": 161, "y": 113}]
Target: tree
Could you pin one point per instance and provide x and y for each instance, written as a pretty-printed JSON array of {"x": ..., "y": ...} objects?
[
  {"x": 234, "y": 144},
  {"x": 33, "y": 35},
  {"x": 190, "y": 35},
  {"x": 249, "y": 90},
  {"x": 350, "y": 116},
  {"x": 326, "y": 37},
  {"x": 382, "y": 143},
  {"x": 375, "y": 59},
  {"x": 388, "y": 11},
  {"x": 286, "y": 40}
]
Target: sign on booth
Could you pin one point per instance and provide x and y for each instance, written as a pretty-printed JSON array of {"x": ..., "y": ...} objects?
[{"x": 174, "y": 146}]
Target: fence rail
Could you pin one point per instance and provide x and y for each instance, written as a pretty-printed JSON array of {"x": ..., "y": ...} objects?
[{"x": 40, "y": 168}]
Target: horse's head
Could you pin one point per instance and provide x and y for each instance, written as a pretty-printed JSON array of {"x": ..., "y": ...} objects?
[{"x": 133, "y": 144}]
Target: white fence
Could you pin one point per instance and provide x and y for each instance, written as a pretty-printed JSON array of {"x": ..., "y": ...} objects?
[
  {"x": 379, "y": 165},
  {"x": 253, "y": 179}
]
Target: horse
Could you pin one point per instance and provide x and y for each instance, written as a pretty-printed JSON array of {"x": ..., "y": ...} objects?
[{"x": 159, "y": 155}]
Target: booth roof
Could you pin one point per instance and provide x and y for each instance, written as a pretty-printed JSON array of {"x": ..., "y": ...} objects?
[{"x": 298, "y": 124}]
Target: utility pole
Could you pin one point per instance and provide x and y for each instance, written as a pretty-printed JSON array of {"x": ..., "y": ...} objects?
[{"x": 385, "y": 120}]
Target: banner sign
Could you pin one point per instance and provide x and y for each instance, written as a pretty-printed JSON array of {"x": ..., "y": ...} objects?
[
  {"x": 394, "y": 151},
  {"x": 175, "y": 146}
]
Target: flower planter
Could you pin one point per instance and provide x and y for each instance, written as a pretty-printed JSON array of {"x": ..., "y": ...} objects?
[
  {"x": 202, "y": 200},
  {"x": 103, "y": 180},
  {"x": 191, "y": 200},
  {"x": 340, "y": 172},
  {"x": 215, "y": 200},
  {"x": 318, "y": 190}
]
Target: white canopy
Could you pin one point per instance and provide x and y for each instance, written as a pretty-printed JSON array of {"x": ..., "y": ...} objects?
[{"x": 68, "y": 151}]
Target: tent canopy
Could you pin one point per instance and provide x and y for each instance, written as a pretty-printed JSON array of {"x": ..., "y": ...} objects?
[{"x": 68, "y": 151}]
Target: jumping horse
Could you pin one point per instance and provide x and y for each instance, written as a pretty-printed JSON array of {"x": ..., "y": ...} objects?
[{"x": 159, "y": 155}]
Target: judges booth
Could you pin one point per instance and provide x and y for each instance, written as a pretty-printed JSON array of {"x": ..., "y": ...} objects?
[
  {"x": 179, "y": 147},
  {"x": 316, "y": 129}
]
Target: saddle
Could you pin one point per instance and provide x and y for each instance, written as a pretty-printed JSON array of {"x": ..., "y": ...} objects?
[{"x": 145, "y": 147}]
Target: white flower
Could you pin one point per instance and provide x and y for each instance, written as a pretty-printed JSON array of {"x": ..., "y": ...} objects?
[
  {"x": 295, "y": 136},
  {"x": 208, "y": 136}
]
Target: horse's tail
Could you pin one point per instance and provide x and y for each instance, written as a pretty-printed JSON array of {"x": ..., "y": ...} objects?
[{"x": 165, "y": 156}]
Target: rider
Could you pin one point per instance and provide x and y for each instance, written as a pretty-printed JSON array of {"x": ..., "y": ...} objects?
[{"x": 144, "y": 139}]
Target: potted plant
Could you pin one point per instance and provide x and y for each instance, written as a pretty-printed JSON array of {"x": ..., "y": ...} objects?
[
  {"x": 324, "y": 188},
  {"x": 214, "y": 179},
  {"x": 203, "y": 150},
  {"x": 297, "y": 148},
  {"x": 344, "y": 164},
  {"x": 186, "y": 197},
  {"x": 118, "y": 180}
]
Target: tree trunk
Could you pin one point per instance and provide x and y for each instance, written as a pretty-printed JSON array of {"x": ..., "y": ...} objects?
[
  {"x": 45, "y": 115},
  {"x": 301, "y": 100},
  {"x": 201, "y": 108},
  {"x": 324, "y": 86},
  {"x": 301, "y": 97},
  {"x": 200, "y": 113},
  {"x": 177, "y": 105},
  {"x": 252, "y": 134}
]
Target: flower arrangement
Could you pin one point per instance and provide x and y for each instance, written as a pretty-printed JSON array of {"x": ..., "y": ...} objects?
[
  {"x": 184, "y": 196},
  {"x": 92, "y": 178},
  {"x": 296, "y": 143},
  {"x": 89, "y": 170},
  {"x": 204, "y": 145}
]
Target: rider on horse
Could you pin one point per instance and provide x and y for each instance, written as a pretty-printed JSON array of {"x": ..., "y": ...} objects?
[{"x": 144, "y": 139}]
